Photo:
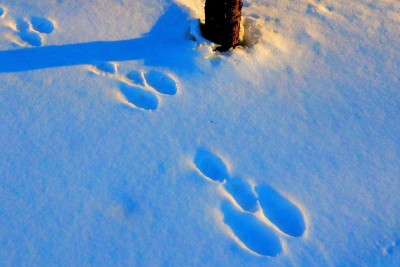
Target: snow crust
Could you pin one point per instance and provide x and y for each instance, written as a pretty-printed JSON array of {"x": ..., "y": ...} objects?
[{"x": 124, "y": 142}]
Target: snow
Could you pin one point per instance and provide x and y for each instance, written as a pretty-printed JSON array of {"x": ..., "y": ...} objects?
[{"x": 126, "y": 141}]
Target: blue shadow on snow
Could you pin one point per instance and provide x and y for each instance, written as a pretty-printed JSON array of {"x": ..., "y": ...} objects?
[{"x": 165, "y": 45}]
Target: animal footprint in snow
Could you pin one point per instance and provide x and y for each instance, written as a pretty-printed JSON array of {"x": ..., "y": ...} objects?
[
  {"x": 21, "y": 28},
  {"x": 135, "y": 77},
  {"x": 251, "y": 203},
  {"x": 242, "y": 193},
  {"x": 283, "y": 213},
  {"x": 250, "y": 231},
  {"x": 31, "y": 38},
  {"x": 31, "y": 33},
  {"x": 140, "y": 90},
  {"x": 212, "y": 166},
  {"x": 139, "y": 97},
  {"x": 104, "y": 68},
  {"x": 161, "y": 82},
  {"x": 42, "y": 25},
  {"x": 150, "y": 84}
]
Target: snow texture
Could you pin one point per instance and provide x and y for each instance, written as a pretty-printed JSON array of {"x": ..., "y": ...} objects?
[{"x": 127, "y": 141}]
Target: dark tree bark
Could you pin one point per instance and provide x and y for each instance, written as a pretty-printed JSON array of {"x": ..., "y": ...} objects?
[{"x": 222, "y": 24}]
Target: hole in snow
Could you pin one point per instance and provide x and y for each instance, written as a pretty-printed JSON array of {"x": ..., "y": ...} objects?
[
  {"x": 20, "y": 25},
  {"x": 42, "y": 25},
  {"x": 139, "y": 97},
  {"x": 242, "y": 193},
  {"x": 283, "y": 213},
  {"x": 251, "y": 232},
  {"x": 31, "y": 38},
  {"x": 136, "y": 77},
  {"x": 161, "y": 82},
  {"x": 211, "y": 166},
  {"x": 105, "y": 68}
]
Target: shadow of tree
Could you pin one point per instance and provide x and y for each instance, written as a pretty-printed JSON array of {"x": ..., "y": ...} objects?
[{"x": 165, "y": 45}]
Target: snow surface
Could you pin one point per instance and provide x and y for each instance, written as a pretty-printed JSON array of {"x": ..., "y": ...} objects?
[{"x": 126, "y": 142}]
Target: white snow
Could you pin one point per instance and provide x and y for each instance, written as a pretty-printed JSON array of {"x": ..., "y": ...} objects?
[{"x": 126, "y": 141}]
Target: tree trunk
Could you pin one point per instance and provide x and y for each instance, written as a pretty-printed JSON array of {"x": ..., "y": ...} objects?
[{"x": 222, "y": 24}]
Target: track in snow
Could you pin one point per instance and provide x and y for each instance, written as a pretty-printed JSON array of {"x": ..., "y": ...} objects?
[
  {"x": 29, "y": 32},
  {"x": 139, "y": 89},
  {"x": 257, "y": 214}
]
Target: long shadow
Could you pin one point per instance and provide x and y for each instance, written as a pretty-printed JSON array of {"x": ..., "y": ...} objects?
[{"x": 164, "y": 45}]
